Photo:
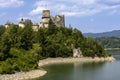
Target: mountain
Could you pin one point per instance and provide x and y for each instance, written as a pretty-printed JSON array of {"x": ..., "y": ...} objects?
[
  {"x": 109, "y": 42},
  {"x": 114, "y": 33}
]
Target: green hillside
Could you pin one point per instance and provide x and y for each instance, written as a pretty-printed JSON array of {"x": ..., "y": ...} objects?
[
  {"x": 114, "y": 33},
  {"x": 21, "y": 48},
  {"x": 109, "y": 42}
]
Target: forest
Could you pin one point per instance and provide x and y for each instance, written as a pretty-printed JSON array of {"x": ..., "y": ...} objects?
[
  {"x": 109, "y": 42},
  {"x": 22, "y": 48}
]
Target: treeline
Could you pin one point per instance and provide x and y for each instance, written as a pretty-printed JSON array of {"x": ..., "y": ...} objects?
[
  {"x": 21, "y": 48},
  {"x": 109, "y": 42}
]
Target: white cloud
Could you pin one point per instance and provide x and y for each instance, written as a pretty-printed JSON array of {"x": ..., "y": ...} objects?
[
  {"x": 113, "y": 1},
  {"x": 70, "y": 13},
  {"x": 76, "y": 7},
  {"x": 36, "y": 11},
  {"x": 86, "y": 12},
  {"x": 84, "y": 2},
  {"x": 40, "y": 5},
  {"x": 11, "y": 3},
  {"x": 115, "y": 12}
]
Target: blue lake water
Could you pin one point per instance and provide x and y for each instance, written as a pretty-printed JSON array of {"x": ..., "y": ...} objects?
[{"x": 84, "y": 71}]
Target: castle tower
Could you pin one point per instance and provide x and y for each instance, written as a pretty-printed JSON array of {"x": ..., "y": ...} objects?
[
  {"x": 46, "y": 18},
  {"x": 59, "y": 20},
  {"x": 21, "y": 23},
  {"x": 7, "y": 24}
]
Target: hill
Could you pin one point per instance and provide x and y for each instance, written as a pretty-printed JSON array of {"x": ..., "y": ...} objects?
[
  {"x": 22, "y": 48},
  {"x": 109, "y": 42},
  {"x": 114, "y": 33}
]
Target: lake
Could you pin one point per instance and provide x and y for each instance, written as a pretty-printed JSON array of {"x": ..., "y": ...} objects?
[{"x": 84, "y": 71}]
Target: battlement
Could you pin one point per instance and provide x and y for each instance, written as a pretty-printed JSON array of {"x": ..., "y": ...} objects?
[
  {"x": 58, "y": 20},
  {"x": 46, "y": 14}
]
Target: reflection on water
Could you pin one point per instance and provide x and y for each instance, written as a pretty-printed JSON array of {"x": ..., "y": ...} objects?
[
  {"x": 84, "y": 71},
  {"x": 87, "y": 71}
]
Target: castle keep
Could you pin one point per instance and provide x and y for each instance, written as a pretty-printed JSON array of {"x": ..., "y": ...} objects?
[{"x": 58, "y": 20}]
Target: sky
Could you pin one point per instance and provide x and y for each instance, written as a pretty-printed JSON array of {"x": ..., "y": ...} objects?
[{"x": 86, "y": 15}]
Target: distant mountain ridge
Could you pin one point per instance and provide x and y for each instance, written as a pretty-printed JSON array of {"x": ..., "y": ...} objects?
[{"x": 114, "y": 33}]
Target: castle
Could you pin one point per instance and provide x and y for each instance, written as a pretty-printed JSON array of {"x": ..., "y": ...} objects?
[{"x": 58, "y": 20}]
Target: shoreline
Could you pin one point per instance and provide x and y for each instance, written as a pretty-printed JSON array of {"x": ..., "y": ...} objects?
[
  {"x": 24, "y": 75},
  {"x": 112, "y": 48},
  {"x": 73, "y": 60},
  {"x": 39, "y": 73}
]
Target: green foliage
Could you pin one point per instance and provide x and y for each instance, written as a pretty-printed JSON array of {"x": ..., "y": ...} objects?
[
  {"x": 61, "y": 43},
  {"x": 5, "y": 43},
  {"x": 17, "y": 51},
  {"x": 6, "y": 67},
  {"x": 109, "y": 42},
  {"x": 91, "y": 48},
  {"x": 21, "y": 48},
  {"x": 26, "y": 37},
  {"x": 1, "y": 56},
  {"x": 21, "y": 60},
  {"x": 2, "y": 29}
]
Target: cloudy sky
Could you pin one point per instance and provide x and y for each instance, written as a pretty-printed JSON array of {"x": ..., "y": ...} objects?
[{"x": 85, "y": 15}]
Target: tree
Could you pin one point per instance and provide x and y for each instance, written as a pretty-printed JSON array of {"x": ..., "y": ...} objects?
[
  {"x": 5, "y": 45},
  {"x": 27, "y": 36},
  {"x": 2, "y": 30},
  {"x": 52, "y": 28},
  {"x": 21, "y": 48}
]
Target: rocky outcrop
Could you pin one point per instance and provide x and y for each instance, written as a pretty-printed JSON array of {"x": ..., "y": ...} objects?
[{"x": 77, "y": 52}]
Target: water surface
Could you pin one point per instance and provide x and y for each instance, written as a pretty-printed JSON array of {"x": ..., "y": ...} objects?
[{"x": 84, "y": 71}]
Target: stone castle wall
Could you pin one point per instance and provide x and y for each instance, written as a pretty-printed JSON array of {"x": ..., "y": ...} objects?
[{"x": 58, "y": 20}]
